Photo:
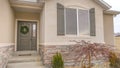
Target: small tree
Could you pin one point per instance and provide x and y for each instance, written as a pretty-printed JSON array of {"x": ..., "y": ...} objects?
[
  {"x": 86, "y": 52},
  {"x": 57, "y": 61}
]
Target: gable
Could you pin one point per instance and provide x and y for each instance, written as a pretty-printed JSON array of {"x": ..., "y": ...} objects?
[{"x": 51, "y": 21}]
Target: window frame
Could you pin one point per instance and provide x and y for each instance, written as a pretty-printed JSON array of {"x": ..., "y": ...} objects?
[
  {"x": 79, "y": 23},
  {"x": 78, "y": 33}
]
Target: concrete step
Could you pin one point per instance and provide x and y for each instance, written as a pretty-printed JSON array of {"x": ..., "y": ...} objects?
[
  {"x": 25, "y": 53},
  {"x": 25, "y": 60},
  {"x": 25, "y": 65},
  {"x": 24, "y": 56},
  {"x": 18, "y": 59}
]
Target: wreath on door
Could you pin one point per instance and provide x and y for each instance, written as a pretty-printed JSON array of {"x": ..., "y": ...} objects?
[{"x": 24, "y": 29}]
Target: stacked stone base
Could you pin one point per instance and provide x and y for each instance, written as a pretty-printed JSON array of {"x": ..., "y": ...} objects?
[
  {"x": 47, "y": 53},
  {"x": 5, "y": 53}
]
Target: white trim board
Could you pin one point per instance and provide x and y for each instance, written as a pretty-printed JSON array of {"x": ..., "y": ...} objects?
[{"x": 6, "y": 44}]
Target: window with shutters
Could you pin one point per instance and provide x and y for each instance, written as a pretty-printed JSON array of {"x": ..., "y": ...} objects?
[{"x": 72, "y": 21}]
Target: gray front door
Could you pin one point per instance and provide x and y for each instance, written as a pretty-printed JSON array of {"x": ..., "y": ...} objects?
[{"x": 27, "y": 36}]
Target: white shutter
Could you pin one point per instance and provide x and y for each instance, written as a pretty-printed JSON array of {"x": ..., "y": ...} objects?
[
  {"x": 71, "y": 21},
  {"x": 83, "y": 21}
]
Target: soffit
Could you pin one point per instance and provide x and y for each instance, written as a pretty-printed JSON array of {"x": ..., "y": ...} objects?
[
  {"x": 27, "y": 5},
  {"x": 113, "y": 12}
]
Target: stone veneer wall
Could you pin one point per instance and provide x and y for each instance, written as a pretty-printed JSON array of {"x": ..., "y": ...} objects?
[
  {"x": 69, "y": 54},
  {"x": 5, "y": 52},
  {"x": 69, "y": 57}
]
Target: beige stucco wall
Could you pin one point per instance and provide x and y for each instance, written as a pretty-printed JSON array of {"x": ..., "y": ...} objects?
[
  {"x": 27, "y": 15},
  {"x": 108, "y": 29},
  {"x": 50, "y": 29},
  {"x": 6, "y": 22},
  {"x": 117, "y": 42}
]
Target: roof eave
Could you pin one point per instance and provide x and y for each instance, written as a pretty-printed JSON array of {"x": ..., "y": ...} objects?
[
  {"x": 103, "y": 4},
  {"x": 113, "y": 12}
]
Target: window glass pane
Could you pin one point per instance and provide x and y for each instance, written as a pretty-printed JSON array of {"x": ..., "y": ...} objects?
[
  {"x": 34, "y": 30},
  {"x": 71, "y": 21},
  {"x": 83, "y": 20}
]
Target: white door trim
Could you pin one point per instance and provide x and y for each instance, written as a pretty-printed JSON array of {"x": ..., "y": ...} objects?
[{"x": 16, "y": 28}]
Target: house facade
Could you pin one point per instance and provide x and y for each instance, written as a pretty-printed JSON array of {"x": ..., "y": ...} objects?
[{"x": 50, "y": 26}]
